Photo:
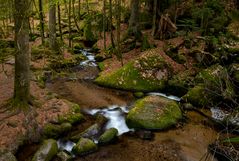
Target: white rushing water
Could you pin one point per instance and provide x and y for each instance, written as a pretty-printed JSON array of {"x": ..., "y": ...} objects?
[
  {"x": 90, "y": 61},
  {"x": 171, "y": 97},
  {"x": 65, "y": 145},
  {"x": 116, "y": 116}
]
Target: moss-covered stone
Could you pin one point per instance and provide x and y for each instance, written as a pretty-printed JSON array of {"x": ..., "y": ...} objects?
[
  {"x": 46, "y": 151},
  {"x": 198, "y": 96},
  {"x": 138, "y": 94},
  {"x": 215, "y": 80},
  {"x": 154, "y": 112},
  {"x": 180, "y": 83},
  {"x": 73, "y": 116},
  {"x": 84, "y": 146},
  {"x": 90, "y": 133},
  {"x": 63, "y": 156},
  {"x": 108, "y": 136},
  {"x": 53, "y": 130},
  {"x": 7, "y": 156},
  {"x": 150, "y": 72}
]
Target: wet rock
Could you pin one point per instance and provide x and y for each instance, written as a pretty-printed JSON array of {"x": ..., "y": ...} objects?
[
  {"x": 154, "y": 112},
  {"x": 138, "y": 94},
  {"x": 91, "y": 132},
  {"x": 53, "y": 130},
  {"x": 46, "y": 151},
  {"x": 84, "y": 146},
  {"x": 63, "y": 156},
  {"x": 73, "y": 116},
  {"x": 212, "y": 85},
  {"x": 150, "y": 72},
  {"x": 180, "y": 83},
  {"x": 108, "y": 136},
  {"x": 7, "y": 156}
]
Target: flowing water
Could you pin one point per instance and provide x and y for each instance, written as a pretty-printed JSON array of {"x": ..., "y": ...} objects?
[{"x": 188, "y": 143}]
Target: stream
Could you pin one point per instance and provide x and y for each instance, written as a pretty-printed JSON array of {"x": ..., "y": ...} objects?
[{"x": 189, "y": 142}]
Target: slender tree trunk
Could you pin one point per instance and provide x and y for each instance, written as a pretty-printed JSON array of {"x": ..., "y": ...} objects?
[
  {"x": 52, "y": 25},
  {"x": 59, "y": 20},
  {"x": 154, "y": 18},
  {"x": 79, "y": 9},
  {"x": 133, "y": 29},
  {"x": 69, "y": 24},
  {"x": 119, "y": 53},
  {"x": 74, "y": 15},
  {"x": 66, "y": 8},
  {"x": 111, "y": 24},
  {"x": 22, "y": 56},
  {"x": 41, "y": 21},
  {"x": 104, "y": 19},
  {"x": 87, "y": 6}
]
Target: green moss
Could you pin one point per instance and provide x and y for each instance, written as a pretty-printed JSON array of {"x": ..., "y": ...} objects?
[
  {"x": 71, "y": 118},
  {"x": 197, "y": 96},
  {"x": 46, "y": 151},
  {"x": 108, "y": 136},
  {"x": 129, "y": 78},
  {"x": 84, "y": 146},
  {"x": 145, "y": 44},
  {"x": 53, "y": 131},
  {"x": 154, "y": 112},
  {"x": 180, "y": 83},
  {"x": 138, "y": 94},
  {"x": 101, "y": 66}
]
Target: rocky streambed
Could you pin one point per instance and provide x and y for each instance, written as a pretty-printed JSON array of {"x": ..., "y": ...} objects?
[{"x": 115, "y": 126}]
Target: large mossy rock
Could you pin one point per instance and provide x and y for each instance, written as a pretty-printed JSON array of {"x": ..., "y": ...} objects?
[
  {"x": 53, "y": 130},
  {"x": 148, "y": 73},
  {"x": 108, "y": 136},
  {"x": 180, "y": 83},
  {"x": 63, "y": 156},
  {"x": 212, "y": 86},
  {"x": 154, "y": 112},
  {"x": 73, "y": 116},
  {"x": 84, "y": 146},
  {"x": 46, "y": 151}
]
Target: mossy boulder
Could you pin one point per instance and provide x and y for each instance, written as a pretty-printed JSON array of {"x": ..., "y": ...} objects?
[
  {"x": 63, "y": 156},
  {"x": 138, "y": 94},
  {"x": 198, "y": 96},
  {"x": 90, "y": 132},
  {"x": 73, "y": 116},
  {"x": 150, "y": 72},
  {"x": 84, "y": 146},
  {"x": 108, "y": 136},
  {"x": 181, "y": 82},
  {"x": 7, "y": 156},
  {"x": 215, "y": 80},
  {"x": 154, "y": 112},
  {"x": 46, "y": 151},
  {"x": 53, "y": 130}
]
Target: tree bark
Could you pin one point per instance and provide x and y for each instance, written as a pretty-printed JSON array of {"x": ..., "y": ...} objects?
[
  {"x": 111, "y": 25},
  {"x": 154, "y": 18},
  {"x": 22, "y": 56},
  {"x": 104, "y": 18},
  {"x": 134, "y": 29},
  {"x": 119, "y": 53},
  {"x": 74, "y": 15},
  {"x": 69, "y": 23},
  {"x": 59, "y": 20},
  {"x": 52, "y": 25},
  {"x": 41, "y": 21},
  {"x": 79, "y": 9}
]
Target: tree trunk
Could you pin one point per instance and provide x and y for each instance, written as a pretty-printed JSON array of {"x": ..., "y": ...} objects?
[
  {"x": 66, "y": 9},
  {"x": 119, "y": 53},
  {"x": 154, "y": 18},
  {"x": 41, "y": 21},
  {"x": 69, "y": 23},
  {"x": 111, "y": 25},
  {"x": 104, "y": 18},
  {"x": 22, "y": 56},
  {"x": 133, "y": 29},
  {"x": 52, "y": 25},
  {"x": 59, "y": 20},
  {"x": 87, "y": 6},
  {"x": 74, "y": 15},
  {"x": 79, "y": 8}
]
